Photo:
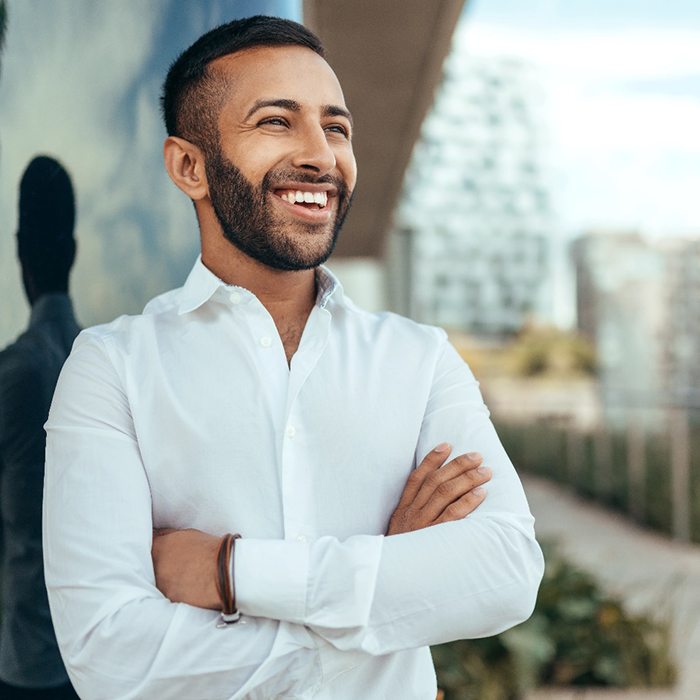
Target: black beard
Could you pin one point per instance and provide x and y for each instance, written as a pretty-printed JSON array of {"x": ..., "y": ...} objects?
[{"x": 248, "y": 223}]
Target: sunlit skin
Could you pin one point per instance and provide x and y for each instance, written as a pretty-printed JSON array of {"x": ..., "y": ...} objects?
[{"x": 285, "y": 110}]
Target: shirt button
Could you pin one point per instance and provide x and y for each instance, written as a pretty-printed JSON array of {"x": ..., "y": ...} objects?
[
  {"x": 235, "y": 297},
  {"x": 301, "y": 538},
  {"x": 266, "y": 341},
  {"x": 291, "y": 431}
]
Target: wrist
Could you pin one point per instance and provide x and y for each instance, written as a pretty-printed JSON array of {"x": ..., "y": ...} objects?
[{"x": 225, "y": 581}]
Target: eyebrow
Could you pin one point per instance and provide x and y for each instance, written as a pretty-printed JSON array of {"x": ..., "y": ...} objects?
[
  {"x": 294, "y": 106},
  {"x": 336, "y": 111}
]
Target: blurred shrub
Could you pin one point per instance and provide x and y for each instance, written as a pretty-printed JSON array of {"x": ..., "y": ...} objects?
[
  {"x": 658, "y": 505},
  {"x": 577, "y": 636},
  {"x": 695, "y": 481},
  {"x": 540, "y": 350}
]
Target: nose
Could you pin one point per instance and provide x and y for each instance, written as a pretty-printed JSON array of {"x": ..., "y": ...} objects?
[{"x": 314, "y": 152}]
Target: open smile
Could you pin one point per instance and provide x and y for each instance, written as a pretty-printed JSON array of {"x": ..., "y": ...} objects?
[{"x": 313, "y": 204}]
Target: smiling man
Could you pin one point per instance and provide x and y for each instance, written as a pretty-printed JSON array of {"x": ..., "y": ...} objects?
[{"x": 252, "y": 489}]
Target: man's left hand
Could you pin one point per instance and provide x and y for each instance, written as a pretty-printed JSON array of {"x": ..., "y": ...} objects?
[{"x": 184, "y": 562}]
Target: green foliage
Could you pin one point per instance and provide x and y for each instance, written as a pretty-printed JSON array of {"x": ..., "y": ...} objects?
[
  {"x": 658, "y": 505},
  {"x": 576, "y": 637},
  {"x": 545, "y": 350},
  {"x": 479, "y": 669},
  {"x": 695, "y": 481}
]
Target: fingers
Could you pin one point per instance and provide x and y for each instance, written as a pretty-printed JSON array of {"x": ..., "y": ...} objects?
[
  {"x": 433, "y": 485},
  {"x": 449, "y": 492},
  {"x": 463, "y": 506},
  {"x": 432, "y": 461},
  {"x": 438, "y": 492}
]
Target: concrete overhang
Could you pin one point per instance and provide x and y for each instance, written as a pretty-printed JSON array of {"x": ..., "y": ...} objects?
[{"x": 388, "y": 56}]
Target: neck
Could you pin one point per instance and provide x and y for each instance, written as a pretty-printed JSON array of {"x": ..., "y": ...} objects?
[{"x": 287, "y": 295}]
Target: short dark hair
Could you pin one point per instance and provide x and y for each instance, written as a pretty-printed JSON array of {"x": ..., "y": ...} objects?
[
  {"x": 192, "y": 94},
  {"x": 45, "y": 241}
]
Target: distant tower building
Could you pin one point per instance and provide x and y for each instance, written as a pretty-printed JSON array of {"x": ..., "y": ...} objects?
[
  {"x": 620, "y": 282},
  {"x": 681, "y": 354},
  {"x": 471, "y": 244},
  {"x": 639, "y": 301}
]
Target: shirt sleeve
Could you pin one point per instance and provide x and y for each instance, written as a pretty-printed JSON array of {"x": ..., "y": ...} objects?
[
  {"x": 119, "y": 636},
  {"x": 469, "y": 578}
]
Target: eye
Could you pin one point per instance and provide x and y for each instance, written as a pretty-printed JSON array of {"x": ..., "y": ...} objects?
[
  {"x": 338, "y": 129},
  {"x": 273, "y": 121}
]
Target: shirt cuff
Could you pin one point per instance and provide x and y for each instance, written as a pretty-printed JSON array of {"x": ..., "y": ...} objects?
[{"x": 271, "y": 578}]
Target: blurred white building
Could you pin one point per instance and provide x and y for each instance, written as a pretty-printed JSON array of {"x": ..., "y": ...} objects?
[
  {"x": 639, "y": 301},
  {"x": 471, "y": 244},
  {"x": 620, "y": 303},
  {"x": 681, "y": 352}
]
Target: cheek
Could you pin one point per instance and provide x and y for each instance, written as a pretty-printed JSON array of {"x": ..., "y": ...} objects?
[
  {"x": 255, "y": 161},
  {"x": 348, "y": 167}
]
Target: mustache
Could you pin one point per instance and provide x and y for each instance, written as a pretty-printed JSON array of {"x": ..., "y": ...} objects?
[{"x": 274, "y": 177}]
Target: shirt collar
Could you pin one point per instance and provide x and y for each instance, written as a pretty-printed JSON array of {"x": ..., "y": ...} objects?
[
  {"x": 51, "y": 307},
  {"x": 202, "y": 284},
  {"x": 329, "y": 287}
]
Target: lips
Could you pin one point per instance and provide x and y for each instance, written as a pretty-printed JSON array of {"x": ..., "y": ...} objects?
[{"x": 310, "y": 206}]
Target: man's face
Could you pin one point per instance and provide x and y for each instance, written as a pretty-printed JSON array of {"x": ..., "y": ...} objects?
[{"x": 282, "y": 179}]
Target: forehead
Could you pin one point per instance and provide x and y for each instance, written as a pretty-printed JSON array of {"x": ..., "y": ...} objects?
[{"x": 272, "y": 72}]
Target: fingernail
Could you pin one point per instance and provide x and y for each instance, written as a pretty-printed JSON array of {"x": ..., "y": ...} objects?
[
  {"x": 479, "y": 491},
  {"x": 474, "y": 456},
  {"x": 484, "y": 471},
  {"x": 442, "y": 447}
]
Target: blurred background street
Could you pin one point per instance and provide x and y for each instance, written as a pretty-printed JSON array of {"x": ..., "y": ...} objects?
[
  {"x": 529, "y": 181},
  {"x": 650, "y": 574}
]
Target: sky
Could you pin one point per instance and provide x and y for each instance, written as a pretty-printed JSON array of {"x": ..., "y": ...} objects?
[{"x": 622, "y": 86}]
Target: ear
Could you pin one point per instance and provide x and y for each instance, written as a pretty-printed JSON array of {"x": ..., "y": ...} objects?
[{"x": 185, "y": 164}]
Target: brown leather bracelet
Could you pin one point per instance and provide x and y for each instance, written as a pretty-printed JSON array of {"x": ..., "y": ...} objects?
[{"x": 224, "y": 580}]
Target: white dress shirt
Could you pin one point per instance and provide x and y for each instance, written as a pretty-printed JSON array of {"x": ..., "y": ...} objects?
[{"x": 189, "y": 416}]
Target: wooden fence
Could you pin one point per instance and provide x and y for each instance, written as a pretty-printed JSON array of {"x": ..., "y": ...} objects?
[{"x": 653, "y": 475}]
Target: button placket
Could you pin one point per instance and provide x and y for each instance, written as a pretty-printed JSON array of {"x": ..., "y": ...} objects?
[
  {"x": 297, "y": 477},
  {"x": 297, "y": 481}
]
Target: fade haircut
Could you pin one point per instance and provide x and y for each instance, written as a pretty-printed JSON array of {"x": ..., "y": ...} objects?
[{"x": 193, "y": 93}]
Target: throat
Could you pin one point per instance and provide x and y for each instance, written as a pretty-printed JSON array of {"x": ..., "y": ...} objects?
[
  {"x": 291, "y": 337},
  {"x": 290, "y": 316}
]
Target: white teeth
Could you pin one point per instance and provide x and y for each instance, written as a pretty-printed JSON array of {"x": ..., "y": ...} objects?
[{"x": 320, "y": 198}]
